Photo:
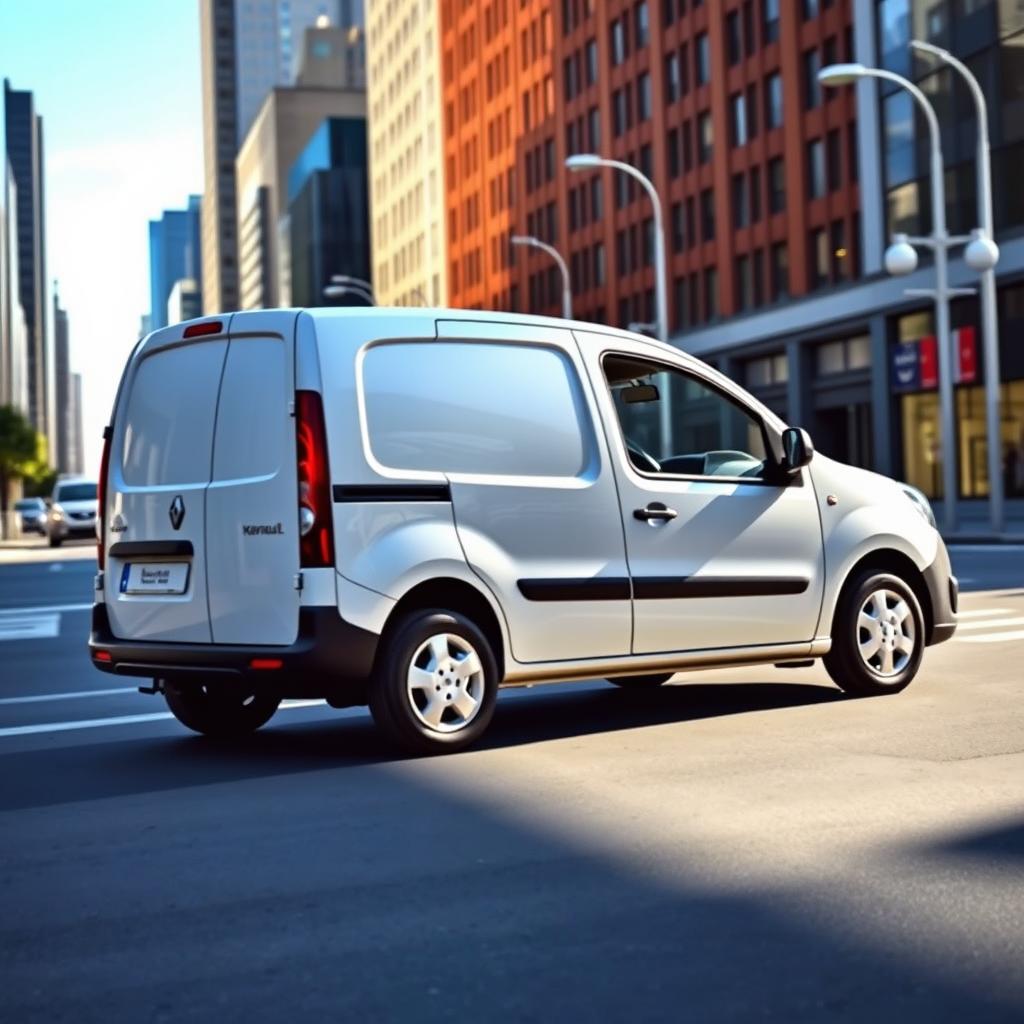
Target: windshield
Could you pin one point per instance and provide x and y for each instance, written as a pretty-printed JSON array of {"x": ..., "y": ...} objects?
[
  {"x": 27, "y": 504},
  {"x": 76, "y": 492}
]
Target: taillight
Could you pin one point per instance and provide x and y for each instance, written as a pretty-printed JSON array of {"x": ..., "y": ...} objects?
[
  {"x": 101, "y": 526},
  {"x": 316, "y": 534}
]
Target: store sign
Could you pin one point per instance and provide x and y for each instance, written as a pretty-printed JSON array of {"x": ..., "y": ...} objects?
[{"x": 915, "y": 364}]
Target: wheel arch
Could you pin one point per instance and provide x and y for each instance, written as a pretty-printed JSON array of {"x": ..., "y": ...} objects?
[
  {"x": 897, "y": 563},
  {"x": 454, "y": 595}
]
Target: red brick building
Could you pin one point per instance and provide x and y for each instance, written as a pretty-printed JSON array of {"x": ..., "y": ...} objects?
[{"x": 717, "y": 101}]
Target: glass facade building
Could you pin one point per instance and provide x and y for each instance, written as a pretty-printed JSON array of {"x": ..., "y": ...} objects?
[
  {"x": 328, "y": 212},
  {"x": 174, "y": 254}
]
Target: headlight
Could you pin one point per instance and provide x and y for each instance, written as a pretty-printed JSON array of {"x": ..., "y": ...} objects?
[
  {"x": 920, "y": 502},
  {"x": 57, "y": 513}
]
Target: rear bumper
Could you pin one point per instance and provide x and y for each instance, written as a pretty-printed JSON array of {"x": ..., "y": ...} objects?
[
  {"x": 944, "y": 594},
  {"x": 329, "y": 656}
]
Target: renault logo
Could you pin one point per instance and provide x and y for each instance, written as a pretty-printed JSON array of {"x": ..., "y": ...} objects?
[{"x": 177, "y": 512}]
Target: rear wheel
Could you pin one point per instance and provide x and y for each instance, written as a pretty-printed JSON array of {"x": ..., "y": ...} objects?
[
  {"x": 55, "y": 541},
  {"x": 220, "y": 710},
  {"x": 878, "y": 636},
  {"x": 436, "y": 684},
  {"x": 648, "y": 682}
]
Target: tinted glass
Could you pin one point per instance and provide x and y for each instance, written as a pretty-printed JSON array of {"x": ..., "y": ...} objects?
[
  {"x": 711, "y": 434},
  {"x": 476, "y": 408},
  {"x": 76, "y": 492}
]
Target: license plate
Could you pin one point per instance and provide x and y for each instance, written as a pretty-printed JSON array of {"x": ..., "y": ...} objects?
[{"x": 154, "y": 578}]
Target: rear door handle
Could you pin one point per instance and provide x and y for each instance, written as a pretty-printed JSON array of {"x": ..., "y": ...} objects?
[{"x": 655, "y": 511}]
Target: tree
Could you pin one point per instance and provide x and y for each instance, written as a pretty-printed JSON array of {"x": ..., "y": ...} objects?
[{"x": 22, "y": 454}]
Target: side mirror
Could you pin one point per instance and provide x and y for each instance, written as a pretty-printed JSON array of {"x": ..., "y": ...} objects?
[{"x": 797, "y": 449}]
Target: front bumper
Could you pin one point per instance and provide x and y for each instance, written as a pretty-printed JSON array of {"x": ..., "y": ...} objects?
[
  {"x": 944, "y": 595},
  {"x": 330, "y": 658}
]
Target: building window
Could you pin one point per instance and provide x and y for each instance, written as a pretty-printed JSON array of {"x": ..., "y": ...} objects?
[
  {"x": 643, "y": 97},
  {"x": 733, "y": 42},
  {"x": 842, "y": 265},
  {"x": 678, "y": 228},
  {"x": 596, "y": 200},
  {"x": 771, "y": 20},
  {"x": 738, "y": 117},
  {"x": 618, "y": 40},
  {"x": 818, "y": 258},
  {"x": 815, "y": 169},
  {"x": 749, "y": 35},
  {"x": 740, "y": 204},
  {"x": 744, "y": 283},
  {"x": 686, "y": 134},
  {"x": 776, "y": 185},
  {"x": 679, "y": 303},
  {"x": 758, "y": 277},
  {"x": 684, "y": 69},
  {"x": 767, "y": 371},
  {"x": 620, "y": 112},
  {"x": 594, "y": 128},
  {"x": 810, "y": 9},
  {"x": 773, "y": 101},
  {"x": 642, "y": 24},
  {"x": 599, "y": 274},
  {"x": 755, "y": 194},
  {"x": 780, "y": 271},
  {"x": 591, "y": 61},
  {"x": 672, "y": 153},
  {"x": 751, "y": 111},
  {"x": 705, "y": 137},
  {"x": 812, "y": 87},
  {"x": 833, "y": 160},
  {"x": 844, "y": 355},
  {"x": 703, "y": 50},
  {"x": 707, "y": 215},
  {"x": 710, "y": 294},
  {"x": 672, "y": 92},
  {"x": 648, "y": 234}
]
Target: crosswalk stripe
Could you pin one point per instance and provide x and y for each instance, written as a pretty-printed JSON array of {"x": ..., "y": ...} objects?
[
  {"x": 992, "y": 623},
  {"x": 992, "y": 638},
  {"x": 979, "y": 613},
  {"x": 30, "y": 627},
  {"x": 96, "y": 723}
]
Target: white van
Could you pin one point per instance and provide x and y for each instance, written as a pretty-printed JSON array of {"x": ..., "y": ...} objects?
[{"x": 408, "y": 508}]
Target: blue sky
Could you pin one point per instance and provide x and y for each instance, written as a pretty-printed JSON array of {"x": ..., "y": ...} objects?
[{"x": 118, "y": 85}]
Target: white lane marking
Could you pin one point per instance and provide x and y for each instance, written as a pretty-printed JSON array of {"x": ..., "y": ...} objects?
[
  {"x": 36, "y": 698},
  {"x": 96, "y": 723},
  {"x": 47, "y": 610},
  {"x": 29, "y": 627},
  {"x": 991, "y": 623},
  {"x": 992, "y": 638},
  {"x": 978, "y": 613},
  {"x": 985, "y": 547},
  {"x": 56, "y": 567}
]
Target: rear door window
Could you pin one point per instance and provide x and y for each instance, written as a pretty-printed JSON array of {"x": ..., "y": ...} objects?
[
  {"x": 475, "y": 407},
  {"x": 168, "y": 437}
]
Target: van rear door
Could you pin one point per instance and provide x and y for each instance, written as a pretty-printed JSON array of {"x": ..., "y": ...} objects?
[
  {"x": 160, "y": 460},
  {"x": 252, "y": 540}
]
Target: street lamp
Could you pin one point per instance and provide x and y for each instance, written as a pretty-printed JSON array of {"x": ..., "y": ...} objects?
[
  {"x": 899, "y": 261},
  {"x": 337, "y": 289},
  {"x": 529, "y": 240},
  {"x": 591, "y": 162},
  {"x": 982, "y": 254}
]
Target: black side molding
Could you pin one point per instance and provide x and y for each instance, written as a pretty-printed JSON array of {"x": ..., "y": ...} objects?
[
  {"x": 605, "y": 588},
  {"x": 392, "y": 492},
  {"x": 662, "y": 587},
  {"x": 151, "y": 549},
  {"x": 612, "y": 588}
]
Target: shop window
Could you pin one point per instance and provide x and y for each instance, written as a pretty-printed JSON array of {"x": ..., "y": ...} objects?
[
  {"x": 766, "y": 371},
  {"x": 843, "y": 355}
]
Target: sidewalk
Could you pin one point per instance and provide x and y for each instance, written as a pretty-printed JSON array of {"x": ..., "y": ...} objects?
[
  {"x": 973, "y": 525},
  {"x": 36, "y": 549}
]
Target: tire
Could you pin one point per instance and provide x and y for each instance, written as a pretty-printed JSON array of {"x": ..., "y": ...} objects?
[
  {"x": 427, "y": 656},
  {"x": 55, "y": 542},
  {"x": 868, "y": 660},
  {"x": 221, "y": 711},
  {"x": 649, "y": 682}
]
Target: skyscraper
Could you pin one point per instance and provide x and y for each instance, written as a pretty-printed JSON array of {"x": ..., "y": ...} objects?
[
  {"x": 24, "y": 152},
  {"x": 174, "y": 254},
  {"x": 406, "y": 153},
  {"x": 247, "y": 49},
  {"x": 62, "y": 387},
  {"x": 13, "y": 335},
  {"x": 76, "y": 445}
]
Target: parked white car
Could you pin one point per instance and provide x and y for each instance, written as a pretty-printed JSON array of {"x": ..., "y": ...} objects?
[
  {"x": 408, "y": 508},
  {"x": 72, "y": 511}
]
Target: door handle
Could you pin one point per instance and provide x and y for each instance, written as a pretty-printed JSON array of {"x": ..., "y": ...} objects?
[{"x": 654, "y": 512}]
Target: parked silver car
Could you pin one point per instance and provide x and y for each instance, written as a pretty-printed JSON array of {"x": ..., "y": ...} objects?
[{"x": 31, "y": 514}]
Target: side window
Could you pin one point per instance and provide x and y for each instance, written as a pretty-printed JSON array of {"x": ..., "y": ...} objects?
[
  {"x": 710, "y": 435},
  {"x": 473, "y": 407}
]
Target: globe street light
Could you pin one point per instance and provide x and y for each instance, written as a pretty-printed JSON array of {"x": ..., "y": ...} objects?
[
  {"x": 982, "y": 254},
  {"x": 529, "y": 240},
  {"x": 337, "y": 291},
  {"x": 591, "y": 162},
  {"x": 899, "y": 261}
]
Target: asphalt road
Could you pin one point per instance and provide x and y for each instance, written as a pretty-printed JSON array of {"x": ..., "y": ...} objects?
[{"x": 739, "y": 845}]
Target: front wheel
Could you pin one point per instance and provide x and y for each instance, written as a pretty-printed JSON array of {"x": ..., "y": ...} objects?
[
  {"x": 219, "y": 710},
  {"x": 55, "y": 540},
  {"x": 878, "y": 636},
  {"x": 435, "y": 687}
]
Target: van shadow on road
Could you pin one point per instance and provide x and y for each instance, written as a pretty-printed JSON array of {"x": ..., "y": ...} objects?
[{"x": 121, "y": 767}]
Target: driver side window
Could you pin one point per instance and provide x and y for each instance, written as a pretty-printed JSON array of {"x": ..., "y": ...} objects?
[{"x": 674, "y": 424}]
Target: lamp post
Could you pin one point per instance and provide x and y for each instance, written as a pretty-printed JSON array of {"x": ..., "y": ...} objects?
[
  {"x": 536, "y": 243},
  {"x": 982, "y": 254},
  {"x": 342, "y": 284},
  {"x": 590, "y": 162},
  {"x": 901, "y": 258}
]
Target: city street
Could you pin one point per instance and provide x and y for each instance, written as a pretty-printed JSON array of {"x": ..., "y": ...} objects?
[{"x": 741, "y": 844}]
